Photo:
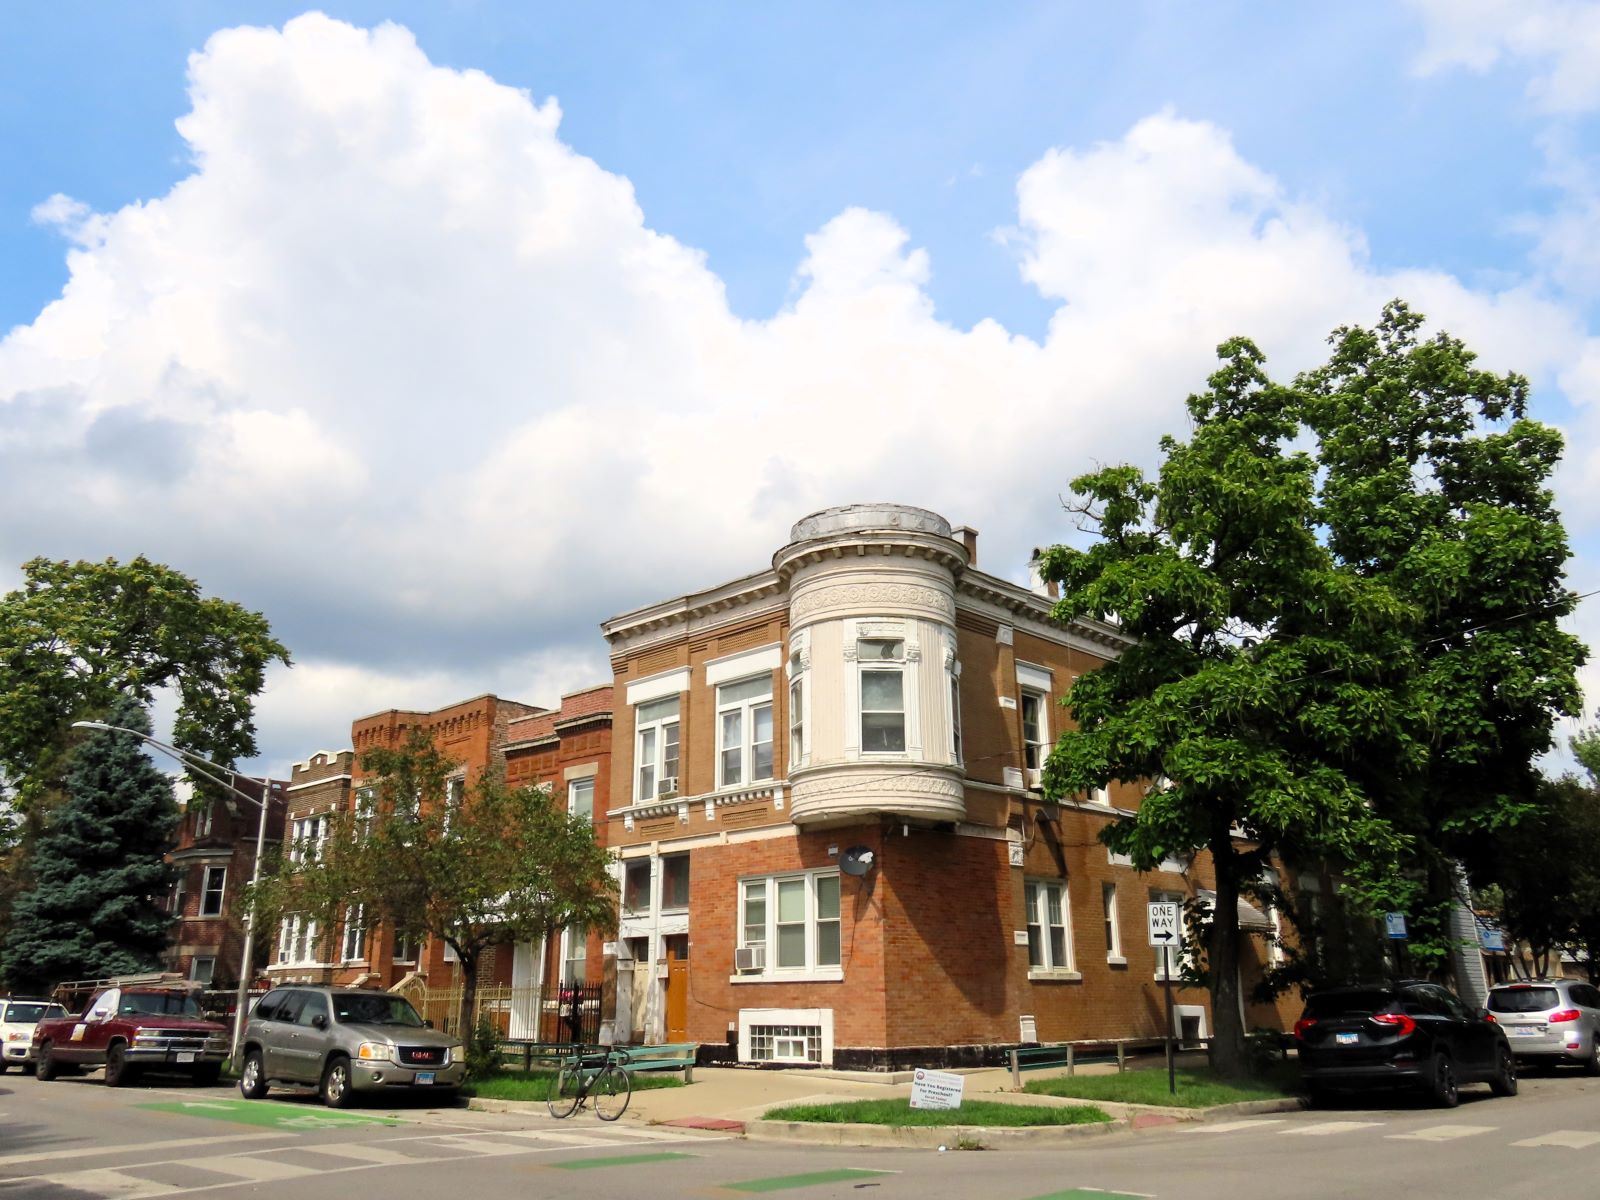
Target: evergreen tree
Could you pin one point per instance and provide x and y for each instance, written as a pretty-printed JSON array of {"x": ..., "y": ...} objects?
[{"x": 91, "y": 908}]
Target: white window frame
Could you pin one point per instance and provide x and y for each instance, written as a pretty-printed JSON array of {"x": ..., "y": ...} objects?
[
  {"x": 1113, "y": 924},
  {"x": 455, "y": 795},
  {"x": 406, "y": 947},
  {"x": 956, "y": 752},
  {"x": 661, "y": 878},
  {"x": 745, "y": 711},
  {"x": 353, "y": 945},
  {"x": 194, "y": 968},
  {"x": 307, "y": 837},
  {"x": 812, "y": 969},
  {"x": 1035, "y": 749},
  {"x": 574, "y": 788},
  {"x": 202, "y": 819},
  {"x": 221, "y": 892},
  {"x": 180, "y": 889},
  {"x": 1038, "y": 917},
  {"x": 798, "y": 668},
  {"x": 883, "y": 666},
  {"x": 574, "y": 951},
  {"x": 366, "y": 808},
  {"x": 820, "y": 1018},
  {"x": 297, "y": 942},
  {"x": 656, "y": 766}
]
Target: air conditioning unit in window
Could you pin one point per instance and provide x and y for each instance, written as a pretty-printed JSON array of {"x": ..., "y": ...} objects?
[
  {"x": 1035, "y": 779},
  {"x": 668, "y": 787},
  {"x": 750, "y": 958}
]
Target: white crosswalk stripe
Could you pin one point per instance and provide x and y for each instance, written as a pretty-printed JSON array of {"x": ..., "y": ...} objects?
[
  {"x": 375, "y": 1155},
  {"x": 256, "y": 1170},
  {"x": 1329, "y": 1128},
  {"x": 1232, "y": 1126},
  {"x": 1441, "y": 1133},
  {"x": 476, "y": 1145},
  {"x": 112, "y": 1184},
  {"x": 1572, "y": 1139}
]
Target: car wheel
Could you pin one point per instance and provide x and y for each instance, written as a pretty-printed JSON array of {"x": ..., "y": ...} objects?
[
  {"x": 336, "y": 1089},
  {"x": 118, "y": 1072},
  {"x": 253, "y": 1083},
  {"x": 1504, "y": 1082},
  {"x": 1591, "y": 1065},
  {"x": 1446, "y": 1092},
  {"x": 4, "y": 1067},
  {"x": 44, "y": 1070}
]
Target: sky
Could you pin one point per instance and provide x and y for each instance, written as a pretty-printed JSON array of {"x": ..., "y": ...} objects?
[{"x": 440, "y": 333}]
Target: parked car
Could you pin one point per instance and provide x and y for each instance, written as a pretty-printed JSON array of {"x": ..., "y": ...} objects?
[
  {"x": 130, "y": 1028},
  {"x": 1414, "y": 1034},
  {"x": 1550, "y": 1021},
  {"x": 18, "y": 1016},
  {"x": 345, "y": 1041}
]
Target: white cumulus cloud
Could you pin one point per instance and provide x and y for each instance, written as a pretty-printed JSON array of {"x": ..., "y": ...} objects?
[{"x": 1558, "y": 39}]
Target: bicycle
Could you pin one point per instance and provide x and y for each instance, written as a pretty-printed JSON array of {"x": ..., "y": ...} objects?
[{"x": 587, "y": 1074}]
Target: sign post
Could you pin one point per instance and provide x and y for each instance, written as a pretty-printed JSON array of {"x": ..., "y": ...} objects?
[{"x": 1164, "y": 918}]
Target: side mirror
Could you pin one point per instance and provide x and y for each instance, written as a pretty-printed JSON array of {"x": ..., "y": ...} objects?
[{"x": 319, "y": 1021}]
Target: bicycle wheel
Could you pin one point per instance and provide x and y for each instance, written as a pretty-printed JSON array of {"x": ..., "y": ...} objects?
[
  {"x": 565, "y": 1090},
  {"x": 611, "y": 1090}
]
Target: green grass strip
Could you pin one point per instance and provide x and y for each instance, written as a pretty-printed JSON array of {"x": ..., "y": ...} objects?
[
  {"x": 1196, "y": 1088},
  {"x": 617, "y": 1160},
  {"x": 782, "y": 1183},
  {"x": 972, "y": 1112}
]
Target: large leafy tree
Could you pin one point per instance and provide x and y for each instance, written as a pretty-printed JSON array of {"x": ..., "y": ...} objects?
[
  {"x": 483, "y": 867},
  {"x": 1344, "y": 597},
  {"x": 99, "y": 872},
  {"x": 77, "y": 635}
]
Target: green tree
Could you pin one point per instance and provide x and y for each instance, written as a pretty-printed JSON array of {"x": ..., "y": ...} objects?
[
  {"x": 91, "y": 909},
  {"x": 480, "y": 867},
  {"x": 1344, "y": 596},
  {"x": 77, "y": 635}
]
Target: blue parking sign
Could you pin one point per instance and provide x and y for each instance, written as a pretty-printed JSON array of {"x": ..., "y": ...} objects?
[{"x": 1394, "y": 925}]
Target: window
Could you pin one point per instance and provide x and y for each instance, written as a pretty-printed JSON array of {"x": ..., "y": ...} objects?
[
  {"x": 574, "y": 954},
  {"x": 366, "y": 805},
  {"x": 307, "y": 836},
  {"x": 883, "y": 703},
  {"x": 202, "y": 969},
  {"x": 786, "y": 1043},
  {"x": 797, "y": 712},
  {"x": 744, "y": 731},
  {"x": 657, "y": 742},
  {"x": 1108, "y": 905},
  {"x": 580, "y": 798},
  {"x": 180, "y": 886},
  {"x": 794, "y": 918},
  {"x": 202, "y": 819},
  {"x": 1049, "y": 934},
  {"x": 455, "y": 795},
  {"x": 1035, "y": 730},
  {"x": 674, "y": 881},
  {"x": 216, "y": 884},
  {"x": 636, "y": 886},
  {"x": 297, "y": 941},
  {"x": 955, "y": 716},
  {"x": 405, "y": 947},
  {"x": 355, "y": 935}
]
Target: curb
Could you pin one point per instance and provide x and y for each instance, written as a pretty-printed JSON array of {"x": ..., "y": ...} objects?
[
  {"x": 966, "y": 1137},
  {"x": 1250, "y": 1108}
]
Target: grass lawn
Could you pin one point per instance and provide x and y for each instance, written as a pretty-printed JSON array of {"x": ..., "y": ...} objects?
[
  {"x": 535, "y": 1085},
  {"x": 1197, "y": 1088},
  {"x": 973, "y": 1112}
]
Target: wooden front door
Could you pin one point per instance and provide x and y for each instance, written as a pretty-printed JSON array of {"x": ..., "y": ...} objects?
[{"x": 677, "y": 948}]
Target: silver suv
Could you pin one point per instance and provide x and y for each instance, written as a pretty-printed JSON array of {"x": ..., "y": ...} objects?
[
  {"x": 345, "y": 1041},
  {"x": 1550, "y": 1021}
]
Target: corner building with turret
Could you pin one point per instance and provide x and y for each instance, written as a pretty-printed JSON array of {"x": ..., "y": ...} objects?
[{"x": 833, "y": 846}]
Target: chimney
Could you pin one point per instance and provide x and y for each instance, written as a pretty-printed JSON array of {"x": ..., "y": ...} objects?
[
  {"x": 1036, "y": 581},
  {"x": 968, "y": 537}
]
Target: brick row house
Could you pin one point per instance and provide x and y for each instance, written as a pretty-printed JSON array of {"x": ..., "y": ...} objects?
[
  {"x": 825, "y": 801},
  {"x": 215, "y": 859}
]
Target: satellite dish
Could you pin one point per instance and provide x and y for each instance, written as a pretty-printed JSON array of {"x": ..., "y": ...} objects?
[{"x": 857, "y": 860}]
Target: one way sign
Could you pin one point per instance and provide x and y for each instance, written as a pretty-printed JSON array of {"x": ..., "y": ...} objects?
[{"x": 1164, "y": 917}]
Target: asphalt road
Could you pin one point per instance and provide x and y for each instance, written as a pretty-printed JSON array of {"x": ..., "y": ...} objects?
[{"x": 74, "y": 1138}]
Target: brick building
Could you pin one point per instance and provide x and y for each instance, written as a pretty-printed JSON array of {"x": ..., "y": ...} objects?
[
  {"x": 215, "y": 857},
  {"x": 824, "y": 795}
]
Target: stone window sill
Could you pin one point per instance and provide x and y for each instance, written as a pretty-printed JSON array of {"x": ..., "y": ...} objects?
[
  {"x": 821, "y": 975},
  {"x": 1116, "y": 960},
  {"x": 1044, "y": 975}
]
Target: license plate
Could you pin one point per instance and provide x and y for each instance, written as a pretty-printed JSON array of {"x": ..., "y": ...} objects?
[
  {"x": 185, "y": 1056},
  {"x": 1347, "y": 1039},
  {"x": 1525, "y": 1031},
  {"x": 425, "y": 1076}
]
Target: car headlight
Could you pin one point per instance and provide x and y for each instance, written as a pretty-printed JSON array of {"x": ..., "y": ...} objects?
[
  {"x": 458, "y": 1051},
  {"x": 375, "y": 1052}
]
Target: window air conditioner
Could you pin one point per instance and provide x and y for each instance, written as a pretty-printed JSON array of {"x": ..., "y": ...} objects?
[
  {"x": 669, "y": 786},
  {"x": 1035, "y": 779},
  {"x": 750, "y": 958}
]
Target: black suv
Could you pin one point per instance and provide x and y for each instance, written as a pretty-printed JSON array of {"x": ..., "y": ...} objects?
[{"x": 1413, "y": 1034}]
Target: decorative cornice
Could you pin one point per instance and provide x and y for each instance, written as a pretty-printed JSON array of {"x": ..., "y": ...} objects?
[{"x": 1038, "y": 610}]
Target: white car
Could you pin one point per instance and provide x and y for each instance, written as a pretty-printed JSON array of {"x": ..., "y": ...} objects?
[{"x": 17, "y": 1019}]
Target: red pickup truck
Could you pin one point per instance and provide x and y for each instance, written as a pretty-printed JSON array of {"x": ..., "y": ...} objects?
[{"x": 130, "y": 1028}]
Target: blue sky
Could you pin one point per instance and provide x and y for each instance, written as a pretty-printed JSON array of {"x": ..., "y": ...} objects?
[{"x": 750, "y": 223}]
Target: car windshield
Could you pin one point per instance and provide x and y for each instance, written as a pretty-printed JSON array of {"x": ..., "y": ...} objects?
[
  {"x": 378, "y": 1008},
  {"x": 1523, "y": 999},
  {"x": 158, "y": 1004},
  {"x": 1357, "y": 1003},
  {"x": 26, "y": 1014}
]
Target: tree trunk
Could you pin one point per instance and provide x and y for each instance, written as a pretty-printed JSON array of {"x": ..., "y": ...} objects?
[
  {"x": 1228, "y": 1056},
  {"x": 468, "y": 1005}
]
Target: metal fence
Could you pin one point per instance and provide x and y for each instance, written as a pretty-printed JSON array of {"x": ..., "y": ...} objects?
[{"x": 539, "y": 1014}]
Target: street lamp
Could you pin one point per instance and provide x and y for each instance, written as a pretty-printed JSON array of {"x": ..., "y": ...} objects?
[{"x": 198, "y": 764}]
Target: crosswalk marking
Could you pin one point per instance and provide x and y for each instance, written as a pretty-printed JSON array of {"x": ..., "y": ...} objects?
[
  {"x": 1232, "y": 1126},
  {"x": 474, "y": 1145},
  {"x": 256, "y": 1170},
  {"x": 112, "y": 1184},
  {"x": 232, "y": 1139},
  {"x": 562, "y": 1139},
  {"x": 1573, "y": 1139},
  {"x": 1329, "y": 1128},
  {"x": 376, "y": 1155},
  {"x": 1441, "y": 1133}
]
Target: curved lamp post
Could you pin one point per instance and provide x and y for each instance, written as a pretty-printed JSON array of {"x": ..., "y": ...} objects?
[{"x": 213, "y": 772}]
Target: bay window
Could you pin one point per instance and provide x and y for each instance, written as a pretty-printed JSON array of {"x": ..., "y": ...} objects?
[
  {"x": 797, "y": 712},
  {"x": 216, "y": 883},
  {"x": 744, "y": 731},
  {"x": 656, "y": 742},
  {"x": 793, "y": 919},
  {"x": 883, "y": 704}
]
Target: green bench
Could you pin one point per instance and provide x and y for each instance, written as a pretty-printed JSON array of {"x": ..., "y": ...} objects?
[{"x": 676, "y": 1057}]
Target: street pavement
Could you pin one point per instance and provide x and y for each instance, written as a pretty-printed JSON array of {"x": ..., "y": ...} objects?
[{"x": 74, "y": 1139}]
